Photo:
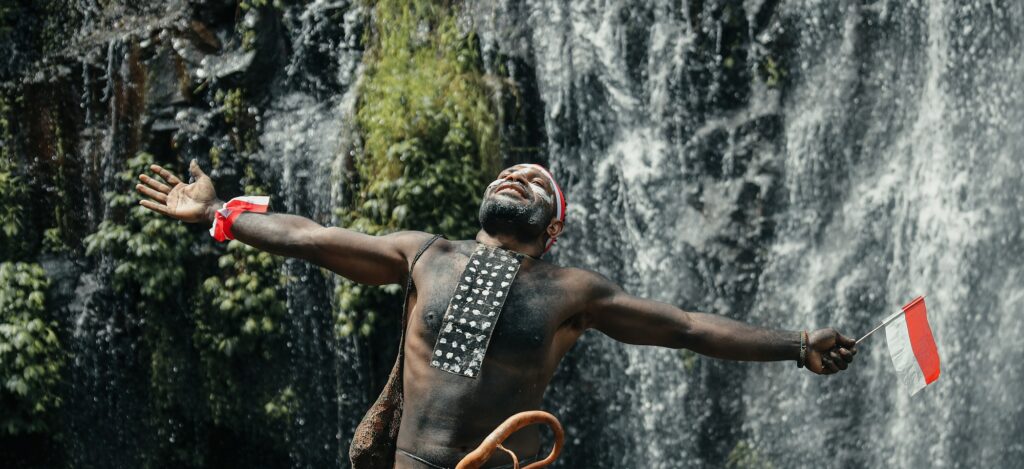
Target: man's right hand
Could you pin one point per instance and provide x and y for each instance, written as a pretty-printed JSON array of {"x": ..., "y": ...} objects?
[{"x": 190, "y": 203}]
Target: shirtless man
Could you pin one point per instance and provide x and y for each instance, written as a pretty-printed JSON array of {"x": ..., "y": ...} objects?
[{"x": 547, "y": 308}]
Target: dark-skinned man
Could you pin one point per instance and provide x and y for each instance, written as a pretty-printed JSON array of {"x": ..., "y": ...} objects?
[{"x": 488, "y": 320}]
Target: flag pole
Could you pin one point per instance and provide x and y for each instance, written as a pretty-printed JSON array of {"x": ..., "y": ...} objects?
[
  {"x": 883, "y": 324},
  {"x": 889, "y": 319}
]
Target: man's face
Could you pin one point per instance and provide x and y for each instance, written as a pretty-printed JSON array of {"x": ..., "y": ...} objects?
[
  {"x": 523, "y": 182},
  {"x": 521, "y": 200}
]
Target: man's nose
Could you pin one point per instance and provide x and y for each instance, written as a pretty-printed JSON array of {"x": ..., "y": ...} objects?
[{"x": 517, "y": 176}]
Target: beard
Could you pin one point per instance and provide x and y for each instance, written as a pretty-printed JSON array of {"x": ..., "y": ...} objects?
[{"x": 526, "y": 222}]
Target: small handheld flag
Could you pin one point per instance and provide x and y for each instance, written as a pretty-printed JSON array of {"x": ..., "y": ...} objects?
[{"x": 911, "y": 346}]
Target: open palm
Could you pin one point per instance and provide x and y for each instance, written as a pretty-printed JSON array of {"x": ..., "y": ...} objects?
[{"x": 189, "y": 203}]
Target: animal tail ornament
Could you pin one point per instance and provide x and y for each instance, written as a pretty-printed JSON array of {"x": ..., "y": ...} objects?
[{"x": 479, "y": 456}]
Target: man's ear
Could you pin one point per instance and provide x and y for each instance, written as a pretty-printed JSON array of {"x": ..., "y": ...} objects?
[{"x": 555, "y": 228}]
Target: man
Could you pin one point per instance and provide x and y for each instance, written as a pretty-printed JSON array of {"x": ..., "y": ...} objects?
[{"x": 455, "y": 396}]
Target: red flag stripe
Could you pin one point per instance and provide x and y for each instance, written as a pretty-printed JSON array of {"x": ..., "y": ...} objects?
[
  {"x": 225, "y": 217},
  {"x": 921, "y": 339}
]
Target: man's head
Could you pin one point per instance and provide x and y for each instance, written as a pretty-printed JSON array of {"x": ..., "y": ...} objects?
[{"x": 525, "y": 202}]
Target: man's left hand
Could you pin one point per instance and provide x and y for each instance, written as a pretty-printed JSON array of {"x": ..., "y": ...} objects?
[{"x": 828, "y": 351}]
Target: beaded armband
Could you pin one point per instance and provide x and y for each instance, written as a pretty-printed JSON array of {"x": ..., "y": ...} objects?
[{"x": 803, "y": 350}]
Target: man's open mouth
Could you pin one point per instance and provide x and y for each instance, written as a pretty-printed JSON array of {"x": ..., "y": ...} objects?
[{"x": 513, "y": 186}]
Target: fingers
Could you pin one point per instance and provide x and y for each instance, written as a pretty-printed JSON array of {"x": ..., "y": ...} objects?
[
  {"x": 158, "y": 208},
  {"x": 167, "y": 175},
  {"x": 155, "y": 195},
  {"x": 159, "y": 186},
  {"x": 838, "y": 360},
  {"x": 833, "y": 350},
  {"x": 194, "y": 168},
  {"x": 845, "y": 341},
  {"x": 827, "y": 366}
]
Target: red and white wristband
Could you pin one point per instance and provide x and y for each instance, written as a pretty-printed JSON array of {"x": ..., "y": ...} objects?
[{"x": 226, "y": 215}]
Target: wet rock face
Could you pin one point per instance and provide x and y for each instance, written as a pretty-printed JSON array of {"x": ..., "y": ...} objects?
[
  {"x": 792, "y": 164},
  {"x": 90, "y": 87}
]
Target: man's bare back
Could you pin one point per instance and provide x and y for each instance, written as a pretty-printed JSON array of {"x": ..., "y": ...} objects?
[{"x": 547, "y": 309}]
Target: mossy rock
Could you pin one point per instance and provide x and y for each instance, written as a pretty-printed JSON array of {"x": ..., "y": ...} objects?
[{"x": 430, "y": 138}]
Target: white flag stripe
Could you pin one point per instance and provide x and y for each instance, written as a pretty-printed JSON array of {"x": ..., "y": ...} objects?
[
  {"x": 255, "y": 199},
  {"x": 897, "y": 336},
  {"x": 262, "y": 200}
]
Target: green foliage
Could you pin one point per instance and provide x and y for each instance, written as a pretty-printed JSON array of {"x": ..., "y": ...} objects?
[
  {"x": 30, "y": 353},
  {"x": 745, "y": 456},
  {"x": 52, "y": 242},
  {"x": 249, "y": 26},
  {"x": 55, "y": 242},
  {"x": 430, "y": 139},
  {"x": 215, "y": 156},
  {"x": 359, "y": 306},
  {"x": 231, "y": 340},
  {"x": 429, "y": 128},
  {"x": 13, "y": 190},
  {"x": 239, "y": 332},
  {"x": 282, "y": 405},
  {"x": 240, "y": 115},
  {"x": 148, "y": 245},
  {"x": 232, "y": 105},
  {"x": 689, "y": 359},
  {"x": 151, "y": 251},
  {"x": 236, "y": 112},
  {"x": 245, "y": 303},
  {"x": 771, "y": 72}
]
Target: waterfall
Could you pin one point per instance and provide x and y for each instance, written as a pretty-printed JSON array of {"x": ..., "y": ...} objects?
[{"x": 889, "y": 167}]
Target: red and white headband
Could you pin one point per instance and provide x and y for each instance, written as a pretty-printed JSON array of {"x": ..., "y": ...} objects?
[{"x": 560, "y": 203}]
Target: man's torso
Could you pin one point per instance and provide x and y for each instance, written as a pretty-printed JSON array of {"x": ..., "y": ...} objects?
[{"x": 447, "y": 415}]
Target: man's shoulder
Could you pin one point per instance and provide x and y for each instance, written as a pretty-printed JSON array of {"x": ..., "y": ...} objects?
[
  {"x": 411, "y": 243},
  {"x": 581, "y": 279},
  {"x": 408, "y": 241}
]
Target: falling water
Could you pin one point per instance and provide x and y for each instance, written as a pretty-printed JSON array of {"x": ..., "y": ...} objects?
[{"x": 889, "y": 168}]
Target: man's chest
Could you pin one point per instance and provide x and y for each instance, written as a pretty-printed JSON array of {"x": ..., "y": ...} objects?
[{"x": 522, "y": 326}]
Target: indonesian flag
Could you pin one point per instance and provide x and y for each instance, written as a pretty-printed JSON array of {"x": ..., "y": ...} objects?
[{"x": 912, "y": 347}]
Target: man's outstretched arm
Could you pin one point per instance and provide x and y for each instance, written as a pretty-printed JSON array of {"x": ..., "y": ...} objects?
[
  {"x": 633, "y": 320},
  {"x": 365, "y": 259}
]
